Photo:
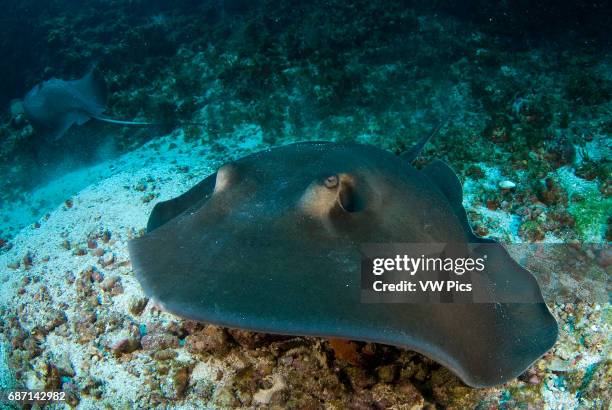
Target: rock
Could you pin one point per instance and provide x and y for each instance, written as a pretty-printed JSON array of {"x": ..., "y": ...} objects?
[
  {"x": 107, "y": 259},
  {"x": 202, "y": 380},
  {"x": 106, "y": 236},
  {"x": 96, "y": 275},
  {"x": 386, "y": 374},
  {"x": 604, "y": 258},
  {"x": 204, "y": 390},
  {"x": 394, "y": 396},
  {"x": 27, "y": 260},
  {"x": 358, "y": 377},
  {"x": 72, "y": 394},
  {"x": 137, "y": 305},
  {"x": 449, "y": 392},
  {"x": 64, "y": 365},
  {"x": 180, "y": 380},
  {"x": 167, "y": 354},
  {"x": 263, "y": 396},
  {"x": 159, "y": 342},
  {"x": 125, "y": 345},
  {"x": 109, "y": 283},
  {"x": 50, "y": 376},
  {"x": 213, "y": 339},
  {"x": 56, "y": 318},
  {"x": 248, "y": 340},
  {"x": 551, "y": 193},
  {"x": 85, "y": 328}
]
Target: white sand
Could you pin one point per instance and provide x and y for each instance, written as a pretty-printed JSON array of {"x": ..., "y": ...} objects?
[{"x": 111, "y": 200}]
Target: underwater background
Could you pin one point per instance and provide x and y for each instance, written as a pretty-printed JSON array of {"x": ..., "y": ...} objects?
[{"x": 524, "y": 89}]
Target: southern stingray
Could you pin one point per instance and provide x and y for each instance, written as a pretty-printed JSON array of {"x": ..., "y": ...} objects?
[
  {"x": 271, "y": 243},
  {"x": 53, "y": 106}
]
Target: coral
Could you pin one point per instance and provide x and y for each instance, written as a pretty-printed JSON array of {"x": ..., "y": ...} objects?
[
  {"x": 346, "y": 350},
  {"x": 550, "y": 193}
]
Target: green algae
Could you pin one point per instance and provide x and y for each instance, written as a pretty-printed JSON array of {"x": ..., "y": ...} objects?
[
  {"x": 517, "y": 394},
  {"x": 587, "y": 378},
  {"x": 591, "y": 214},
  {"x": 532, "y": 230},
  {"x": 589, "y": 207}
]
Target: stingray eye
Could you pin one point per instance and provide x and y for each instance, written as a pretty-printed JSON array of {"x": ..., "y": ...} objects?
[
  {"x": 333, "y": 196},
  {"x": 331, "y": 181}
]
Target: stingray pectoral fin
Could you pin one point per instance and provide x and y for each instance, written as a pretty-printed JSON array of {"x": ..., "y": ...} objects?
[
  {"x": 445, "y": 179},
  {"x": 55, "y": 130},
  {"x": 93, "y": 86},
  {"x": 525, "y": 327},
  {"x": 78, "y": 118},
  {"x": 504, "y": 330},
  {"x": 513, "y": 283},
  {"x": 167, "y": 210},
  {"x": 533, "y": 328},
  {"x": 495, "y": 343}
]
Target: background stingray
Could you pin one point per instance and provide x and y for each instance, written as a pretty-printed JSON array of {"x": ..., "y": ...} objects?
[
  {"x": 271, "y": 243},
  {"x": 53, "y": 106}
]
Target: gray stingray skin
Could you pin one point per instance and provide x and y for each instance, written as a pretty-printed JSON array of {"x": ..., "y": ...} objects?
[
  {"x": 268, "y": 243},
  {"x": 55, "y": 105}
]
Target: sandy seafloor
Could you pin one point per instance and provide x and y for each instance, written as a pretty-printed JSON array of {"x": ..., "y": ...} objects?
[{"x": 74, "y": 315}]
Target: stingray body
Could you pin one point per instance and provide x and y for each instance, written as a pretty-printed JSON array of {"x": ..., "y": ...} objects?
[
  {"x": 271, "y": 243},
  {"x": 53, "y": 106}
]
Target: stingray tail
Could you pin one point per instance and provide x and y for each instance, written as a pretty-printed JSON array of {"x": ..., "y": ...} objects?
[
  {"x": 122, "y": 122},
  {"x": 145, "y": 123},
  {"x": 413, "y": 152}
]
